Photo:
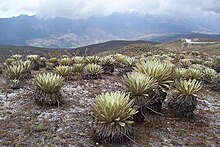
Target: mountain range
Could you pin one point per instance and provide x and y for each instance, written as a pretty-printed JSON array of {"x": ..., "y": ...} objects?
[{"x": 71, "y": 33}]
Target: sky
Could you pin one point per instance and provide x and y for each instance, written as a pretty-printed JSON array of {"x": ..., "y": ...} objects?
[{"x": 86, "y": 8}]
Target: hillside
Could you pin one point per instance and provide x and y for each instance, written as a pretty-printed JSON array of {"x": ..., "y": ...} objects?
[
  {"x": 177, "y": 46},
  {"x": 111, "y": 46},
  {"x": 115, "y": 46},
  {"x": 61, "y": 32},
  {"x": 172, "y": 45},
  {"x": 211, "y": 50},
  {"x": 72, "y": 122},
  {"x": 6, "y": 51},
  {"x": 134, "y": 49}
]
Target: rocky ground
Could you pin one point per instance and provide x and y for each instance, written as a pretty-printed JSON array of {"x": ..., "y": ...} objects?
[{"x": 24, "y": 123}]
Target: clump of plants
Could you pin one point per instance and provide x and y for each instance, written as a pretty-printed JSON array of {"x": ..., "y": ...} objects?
[
  {"x": 92, "y": 71},
  {"x": 50, "y": 66},
  {"x": 78, "y": 68},
  {"x": 27, "y": 66},
  {"x": 185, "y": 63},
  {"x": 195, "y": 74},
  {"x": 15, "y": 74},
  {"x": 120, "y": 58},
  {"x": 197, "y": 61},
  {"x": 195, "y": 53},
  {"x": 216, "y": 82},
  {"x": 42, "y": 62},
  {"x": 113, "y": 112},
  {"x": 108, "y": 64},
  {"x": 125, "y": 63},
  {"x": 208, "y": 75},
  {"x": 54, "y": 61},
  {"x": 92, "y": 59},
  {"x": 63, "y": 71},
  {"x": 184, "y": 98},
  {"x": 163, "y": 74},
  {"x": 9, "y": 61},
  {"x": 78, "y": 60},
  {"x": 209, "y": 63},
  {"x": 66, "y": 61},
  {"x": 181, "y": 73},
  {"x": 216, "y": 60},
  {"x": 129, "y": 64},
  {"x": 35, "y": 59},
  {"x": 16, "y": 57},
  {"x": 47, "y": 90},
  {"x": 197, "y": 66},
  {"x": 190, "y": 73},
  {"x": 140, "y": 86}
]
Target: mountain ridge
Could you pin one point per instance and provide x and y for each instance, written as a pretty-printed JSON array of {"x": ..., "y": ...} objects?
[
  {"x": 71, "y": 33},
  {"x": 115, "y": 46},
  {"x": 7, "y": 50}
]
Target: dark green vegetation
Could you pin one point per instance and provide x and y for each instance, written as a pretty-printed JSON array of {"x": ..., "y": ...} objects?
[{"x": 144, "y": 97}]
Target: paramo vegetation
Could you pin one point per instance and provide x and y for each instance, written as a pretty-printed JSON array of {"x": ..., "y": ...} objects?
[{"x": 150, "y": 81}]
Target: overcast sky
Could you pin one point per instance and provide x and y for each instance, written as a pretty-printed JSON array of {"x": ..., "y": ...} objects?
[{"x": 86, "y": 8}]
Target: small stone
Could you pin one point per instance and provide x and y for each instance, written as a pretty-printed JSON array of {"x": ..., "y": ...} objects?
[{"x": 60, "y": 129}]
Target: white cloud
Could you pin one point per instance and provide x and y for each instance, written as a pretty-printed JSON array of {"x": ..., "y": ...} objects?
[
  {"x": 86, "y": 8},
  {"x": 194, "y": 8},
  {"x": 9, "y": 8}
]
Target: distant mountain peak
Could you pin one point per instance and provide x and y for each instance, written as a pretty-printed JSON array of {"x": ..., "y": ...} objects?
[{"x": 63, "y": 32}]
